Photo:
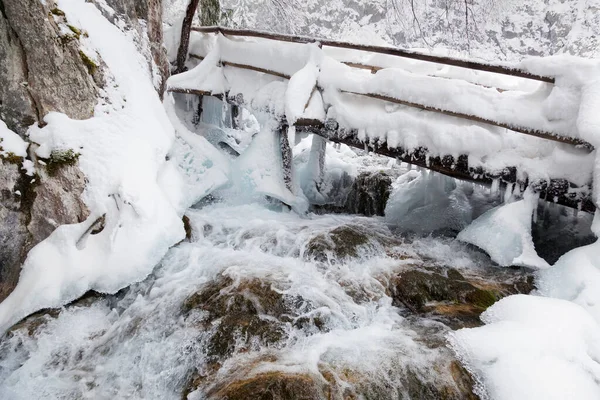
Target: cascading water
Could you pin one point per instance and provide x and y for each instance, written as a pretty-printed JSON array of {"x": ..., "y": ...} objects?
[{"x": 255, "y": 294}]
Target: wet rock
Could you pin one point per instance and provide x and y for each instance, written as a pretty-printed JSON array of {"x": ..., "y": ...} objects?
[
  {"x": 340, "y": 243},
  {"x": 32, "y": 323},
  {"x": 423, "y": 291},
  {"x": 13, "y": 233},
  {"x": 242, "y": 316},
  {"x": 369, "y": 194},
  {"x": 273, "y": 385},
  {"x": 44, "y": 69},
  {"x": 50, "y": 71}
]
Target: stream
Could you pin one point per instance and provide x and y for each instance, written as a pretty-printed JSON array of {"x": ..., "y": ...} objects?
[{"x": 260, "y": 303}]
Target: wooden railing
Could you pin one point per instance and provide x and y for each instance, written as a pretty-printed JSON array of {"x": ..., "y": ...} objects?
[{"x": 391, "y": 51}]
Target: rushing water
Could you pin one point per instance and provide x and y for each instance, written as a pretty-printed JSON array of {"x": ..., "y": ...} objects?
[{"x": 338, "y": 322}]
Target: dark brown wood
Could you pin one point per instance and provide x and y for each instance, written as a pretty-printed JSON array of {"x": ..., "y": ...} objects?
[
  {"x": 371, "y": 68},
  {"x": 257, "y": 69},
  {"x": 556, "y": 190},
  {"x": 184, "y": 42},
  {"x": 498, "y": 69},
  {"x": 516, "y": 128},
  {"x": 286, "y": 156}
]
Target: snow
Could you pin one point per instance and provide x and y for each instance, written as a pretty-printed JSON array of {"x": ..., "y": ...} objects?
[
  {"x": 299, "y": 92},
  {"x": 123, "y": 154},
  {"x": 11, "y": 143},
  {"x": 559, "y": 109},
  {"x": 533, "y": 348},
  {"x": 505, "y": 234}
]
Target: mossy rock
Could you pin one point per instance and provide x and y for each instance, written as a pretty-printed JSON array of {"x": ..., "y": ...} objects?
[
  {"x": 91, "y": 66},
  {"x": 59, "y": 159},
  {"x": 76, "y": 31},
  {"x": 460, "y": 389},
  {"x": 369, "y": 194},
  {"x": 453, "y": 296},
  {"x": 57, "y": 11},
  {"x": 242, "y": 314},
  {"x": 273, "y": 385},
  {"x": 10, "y": 157},
  {"x": 341, "y": 243}
]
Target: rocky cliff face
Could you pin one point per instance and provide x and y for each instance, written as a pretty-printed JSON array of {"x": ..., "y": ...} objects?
[{"x": 42, "y": 69}]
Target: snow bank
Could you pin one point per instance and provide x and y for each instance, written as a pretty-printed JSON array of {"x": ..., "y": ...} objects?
[
  {"x": 533, "y": 348},
  {"x": 505, "y": 234}
]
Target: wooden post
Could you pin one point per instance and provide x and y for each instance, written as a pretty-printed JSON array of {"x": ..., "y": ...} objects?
[
  {"x": 317, "y": 158},
  {"x": 198, "y": 114},
  {"x": 286, "y": 155},
  {"x": 184, "y": 42}
]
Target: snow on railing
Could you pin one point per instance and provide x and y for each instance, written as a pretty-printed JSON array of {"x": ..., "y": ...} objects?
[{"x": 429, "y": 115}]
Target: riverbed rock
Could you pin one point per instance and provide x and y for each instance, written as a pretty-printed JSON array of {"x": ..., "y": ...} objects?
[
  {"x": 244, "y": 315},
  {"x": 423, "y": 291},
  {"x": 340, "y": 243},
  {"x": 274, "y": 385},
  {"x": 448, "y": 294},
  {"x": 369, "y": 194}
]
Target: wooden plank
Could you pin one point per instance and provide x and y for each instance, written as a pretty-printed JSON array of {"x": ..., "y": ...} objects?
[
  {"x": 474, "y": 65},
  {"x": 512, "y": 127},
  {"x": 184, "y": 42},
  {"x": 257, "y": 69}
]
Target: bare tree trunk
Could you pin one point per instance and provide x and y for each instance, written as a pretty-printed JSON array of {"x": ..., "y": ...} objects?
[{"x": 184, "y": 43}]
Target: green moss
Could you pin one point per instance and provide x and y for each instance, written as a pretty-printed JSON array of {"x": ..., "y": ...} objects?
[
  {"x": 89, "y": 63},
  {"x": 76, "y": 31},
  {"x": 11, "y": 158},
  {"x": 481, "y": 298},
  {"x": 64, "y": 39},
  {"x": 60, "y": 158},
  {"x": 58, "y": 12}
]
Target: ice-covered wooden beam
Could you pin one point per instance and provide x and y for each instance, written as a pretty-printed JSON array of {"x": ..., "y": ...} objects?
[
  {"x": 475, "y": 118},
  {"x": 456, "y": 62},
  {"x": 513, "y": 127},
  {"x": 559, "y": 191}
]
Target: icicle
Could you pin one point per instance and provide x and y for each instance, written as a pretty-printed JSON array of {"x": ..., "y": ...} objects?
[
  {"x": 508, "y": 192},
  {"x": 495, "y": 188}
]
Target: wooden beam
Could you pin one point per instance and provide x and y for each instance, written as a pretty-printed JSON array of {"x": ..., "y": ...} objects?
[
  {"x": 516, "y": 128},
  {"x": 556, "y": 190},
  {"x": 184, "y": 42},
  {"x": 474, "y": 65},
  {"x": 257, "y": 69}
]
